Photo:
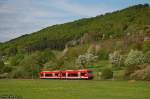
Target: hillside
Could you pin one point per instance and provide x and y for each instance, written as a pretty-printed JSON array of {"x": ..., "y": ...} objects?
[
  {"x": 58, "y": 46},
  {"x": 114, "y": 24}
]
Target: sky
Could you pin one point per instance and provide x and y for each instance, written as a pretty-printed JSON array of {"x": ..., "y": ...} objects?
[{"x": 19, "y": 17}]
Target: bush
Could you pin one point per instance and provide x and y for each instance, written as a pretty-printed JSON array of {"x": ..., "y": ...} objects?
[
  {"x": 43, "y": 57},
  {"x": 141, "y": 74},
  {"x": 146, "y": 46},
  {"x": 7, "y": 69},
  {"x": 135, "y": 58},
  {"x": 147, "y": 55},
  {"x": 107, "y": 73},
  {"x": 103, "y": 54},
  {"x": 20, "y": 72},
  {"x": 119, "y": 74},
  {"x": 4, "y": 75},
  {"x": 129, "y": 70},
  {"x": 1, "y": 65},
  {"x": 28, "y": 68},
  {"x": 116, "y": 59},
  {"x": 51, "y": 65}
]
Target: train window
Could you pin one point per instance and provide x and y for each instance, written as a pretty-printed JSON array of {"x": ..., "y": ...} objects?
[
  {"x": 48, "y": 74},
  {"x": 63, "y": 74},
  {"x": 82, "y": 74},
  {"x": 72, "y": 75},
  {"x": 56, "y": 74}
]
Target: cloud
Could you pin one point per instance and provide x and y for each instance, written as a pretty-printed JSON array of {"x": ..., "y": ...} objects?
[{"x": 18, "y": 17}]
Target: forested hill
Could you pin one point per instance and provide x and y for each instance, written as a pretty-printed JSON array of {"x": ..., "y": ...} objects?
[{"x": 116, "y": 24}]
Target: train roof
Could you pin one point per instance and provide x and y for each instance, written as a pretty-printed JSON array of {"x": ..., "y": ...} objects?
[{"x": 68, "y": 70}]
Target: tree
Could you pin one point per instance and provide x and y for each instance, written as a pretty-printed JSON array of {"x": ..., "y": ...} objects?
[
  {"x": 2, "y": 65},
  {"x": 107, "y": 73},
  {"x": 28, "y": 68},
  {"x": 135, "y": 58},
  {"x": 86, "y": 59},
  {"x": 15, "y": 60},
  {"x": 116, "y": 58},
  {"x": 43, "y": 56}
]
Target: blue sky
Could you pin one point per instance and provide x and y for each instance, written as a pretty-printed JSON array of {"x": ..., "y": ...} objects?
[{"x": 19, "y": 17}]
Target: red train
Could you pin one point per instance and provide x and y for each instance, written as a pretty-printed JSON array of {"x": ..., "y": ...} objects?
[{"x": 67, "y": 74}]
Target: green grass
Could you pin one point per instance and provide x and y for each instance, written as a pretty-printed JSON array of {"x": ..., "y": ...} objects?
[{"x": 75, "y": 89}]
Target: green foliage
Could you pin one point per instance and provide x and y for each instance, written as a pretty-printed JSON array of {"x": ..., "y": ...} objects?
[
  {"x": 20, "y": 73},
  {"x": 103, "y": 54},
  {"x": 69, "y": 65},
  {"x": 15, "y": 60},
  {"x": 1, "y": 64},
  {"x": 119, "y": 74},
  {"x": 50, "y": 65},
  {"x": 28, "y": 68},
  {"x": 43, "y": 56},
  {"x": 4, "y": 75},
  {"x": 146, "y": 46},
  {"x": 12, "y": 50},
  {"x": 147, "y": 56},
  {"x": 107, "y": 73},
  {"x": 7, "y": 69}
]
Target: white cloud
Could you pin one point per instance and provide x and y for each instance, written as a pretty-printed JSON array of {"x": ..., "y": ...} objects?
[
  {"x": 81, "y": 10},
  {"x": 18, "y": 17}
]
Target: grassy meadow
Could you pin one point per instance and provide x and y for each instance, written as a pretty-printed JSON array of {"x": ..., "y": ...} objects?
[{"x": 75, "y": 89}]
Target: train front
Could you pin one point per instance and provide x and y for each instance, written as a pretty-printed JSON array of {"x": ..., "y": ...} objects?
[{"x": 90, "y": 74}]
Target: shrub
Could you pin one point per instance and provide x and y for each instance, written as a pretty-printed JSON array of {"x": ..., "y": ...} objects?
[
  {"x": 1, "y": 65},
  {"x": 147, "y": 55},
  {"x": 43, "y": 57},
  {"x": 4, "y": 75},
  {"x": 146, "y": 46},
  {"x": 28, "y": 68},
  {"x": 20, "y": 72},
  {"x": 107, "y": 73},
  {"x": 15, "y": 60},
  {"x": 116, "y": 58},
  {"x": 51, "y": 65},
  {"x": 129, "y": 70},
  {"x": 103, "y": 54},
  {"x": 135, "y": 58},
  {"x": 119, "y": 74},
  {"x": 7, "y": 69},
  {"x": 141, "y": 74}
]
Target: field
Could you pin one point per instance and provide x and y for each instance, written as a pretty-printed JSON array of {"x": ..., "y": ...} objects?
[{"x": 74, "y": 89}]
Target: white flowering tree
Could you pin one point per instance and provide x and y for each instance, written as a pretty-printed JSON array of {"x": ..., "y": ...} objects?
[
  {"x": 135, "y": 58},
  {"x": 116, "y": 59},
  {"x": 86, "y": 59}
]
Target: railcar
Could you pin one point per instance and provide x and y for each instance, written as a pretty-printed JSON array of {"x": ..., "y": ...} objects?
[{"x": 67, "y": 74}]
